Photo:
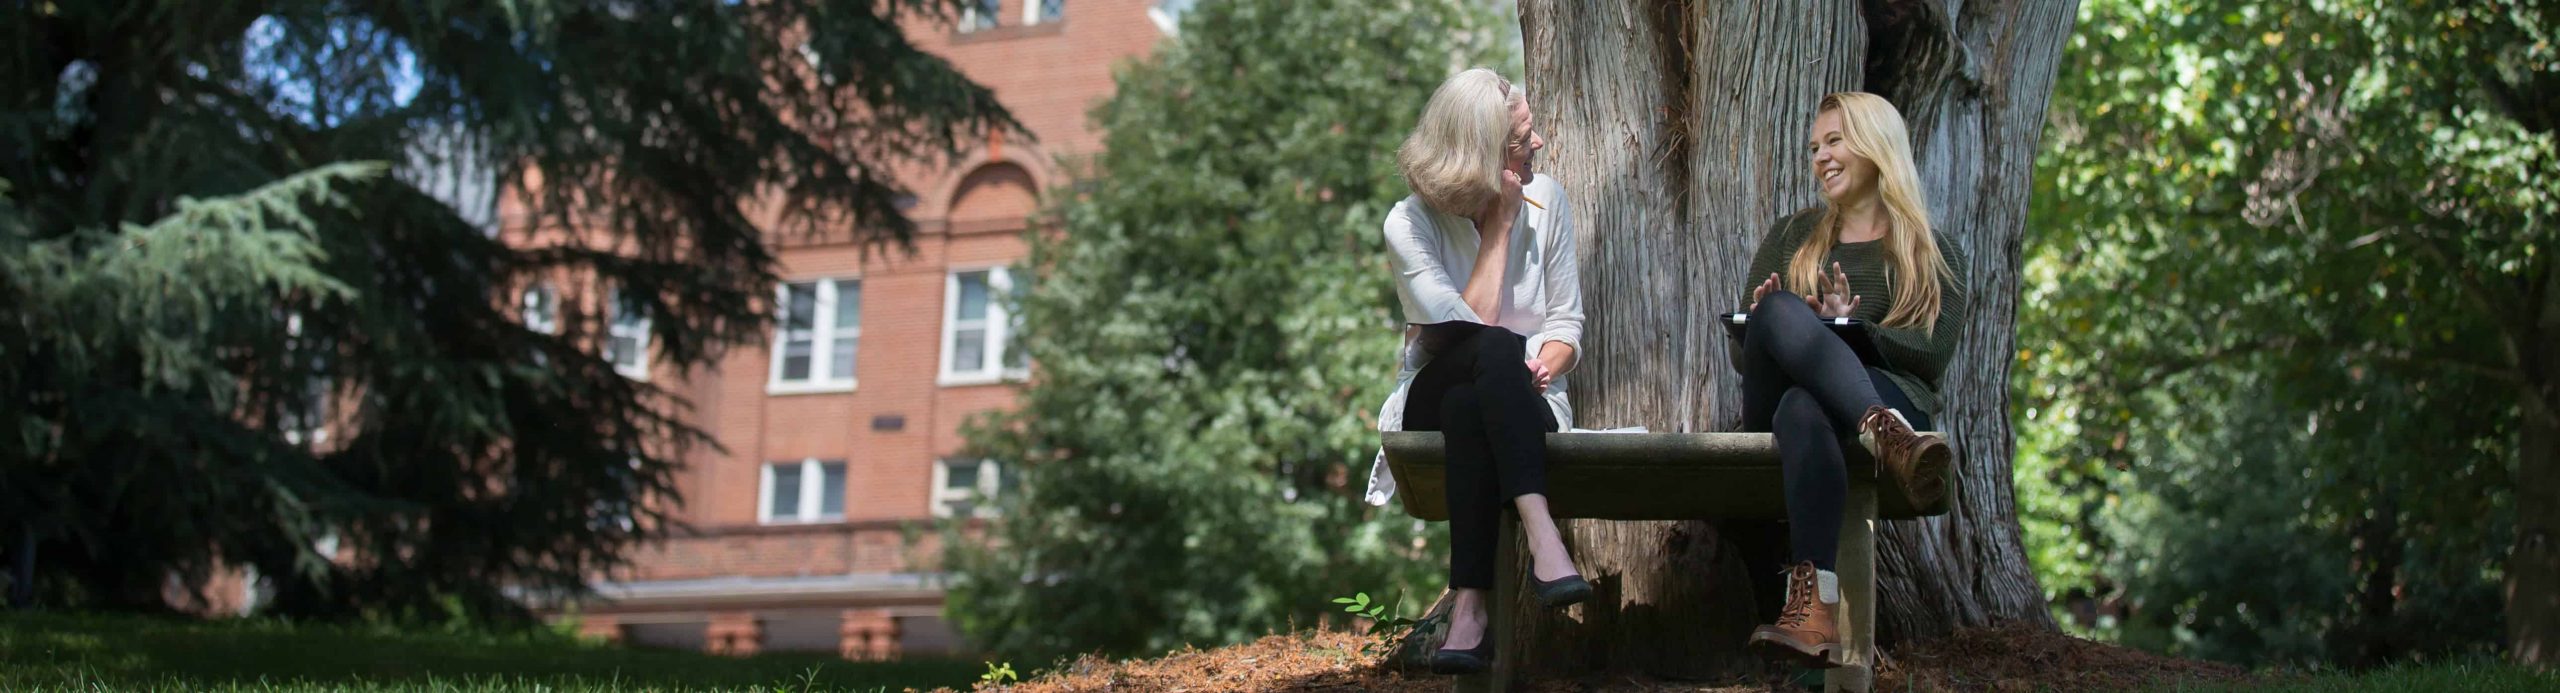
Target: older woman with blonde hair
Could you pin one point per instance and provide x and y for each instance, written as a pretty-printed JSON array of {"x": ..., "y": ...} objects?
[
  {"x": 1483, "y": 254},
  {"x": 1870, "y": 254}
]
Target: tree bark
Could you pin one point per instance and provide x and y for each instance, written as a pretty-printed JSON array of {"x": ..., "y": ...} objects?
[
  {"x": 1973, "y": 79},
  {"x": 1677, "y": 129},
  {"x": 2533, "y": 562},
  {"x": 1609, "y": 81}
]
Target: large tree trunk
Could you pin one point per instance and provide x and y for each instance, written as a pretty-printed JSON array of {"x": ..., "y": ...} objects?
[
  {"x": 2533, "y": 563},
  {"x": 1678, "y": 129},
  {"x": 1973, "y": 83}
]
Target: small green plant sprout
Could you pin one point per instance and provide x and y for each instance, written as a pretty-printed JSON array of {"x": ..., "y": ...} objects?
[
  {"x": 999, "y": 673},
  {"x": 1359, "y": 604},
  {"x": 1386, "y": 624}
]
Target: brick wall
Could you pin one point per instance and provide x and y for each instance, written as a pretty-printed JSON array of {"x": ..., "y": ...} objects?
[
  {"x": 898, "y": 418},
  {"x": 971, "y": 215},
  {"x": 789, "y": 551}
]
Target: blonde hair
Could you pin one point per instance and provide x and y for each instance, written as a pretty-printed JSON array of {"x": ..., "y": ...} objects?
[
  {"x": 1453, "y": 160},
  {"x": 1914, "y": 267}
]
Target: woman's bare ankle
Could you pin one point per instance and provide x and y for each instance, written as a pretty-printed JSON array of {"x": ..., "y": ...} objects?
[
  {"x": 1467, "y": 621},
  {"x": 1551, "y": 563}
]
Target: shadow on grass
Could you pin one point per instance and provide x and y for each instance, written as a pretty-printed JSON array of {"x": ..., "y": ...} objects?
[{"x": 52, "y": 651}]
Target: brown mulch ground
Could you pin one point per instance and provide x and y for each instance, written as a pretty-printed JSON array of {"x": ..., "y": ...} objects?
[
  {"x": 2024, "y": 659},
  {"x": 1992, "y": 659}
]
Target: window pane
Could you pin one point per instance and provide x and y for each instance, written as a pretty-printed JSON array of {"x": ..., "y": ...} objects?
[
  {"x": 627, "y": 346},
  {"x": 1050, "y": 10},
  {"x": 848, "y": 330},
  {"x": 541, "y": 309},
  {"x": 960, "y": 475},
  {"x": 831, "y": 490},
  {"x": 786, "y": 491},
  {"x": 629, "y": 311},
  {"x": 800, "y": 307},
  {"x": 795, "y": 360},
  {"x": 969, "y": 351},
  {"x": 982, "y": 15},
  {"x": 798, "y": 330},
  {"x": 848, "y": 305},
  {"x": 973, "y": 296},
  {"x": 623, "y": 350},
  {"x": 840, "y": 361}
]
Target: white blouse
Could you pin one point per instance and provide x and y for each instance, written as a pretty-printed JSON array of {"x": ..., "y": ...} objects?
[{"x": 1434, "y": 253}]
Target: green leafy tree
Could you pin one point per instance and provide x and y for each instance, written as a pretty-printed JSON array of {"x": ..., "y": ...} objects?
[
  {"x": 1213, "y": 332},
  {"x": 2294, "y": 339},
  {"x": 156, "y": 350}
]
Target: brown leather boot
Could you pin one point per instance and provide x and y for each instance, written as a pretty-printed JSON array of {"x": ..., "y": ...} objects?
[
  {"x": 1917, "y": 461},
  {"x": 1804, "y": 635}
]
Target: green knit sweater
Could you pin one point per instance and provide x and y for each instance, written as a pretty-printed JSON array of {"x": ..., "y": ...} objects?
[{"x": 1918, "y": 358}]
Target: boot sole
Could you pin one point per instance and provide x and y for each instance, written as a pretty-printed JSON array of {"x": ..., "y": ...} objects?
[
  {"x": 1929, "y": 479},
  {"x": 1929, "y": 472},
  {"x": 1782, "y": 651}
]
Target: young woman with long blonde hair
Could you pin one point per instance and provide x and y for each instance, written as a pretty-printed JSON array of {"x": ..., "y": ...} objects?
[{"x": 1868, "y": 253}]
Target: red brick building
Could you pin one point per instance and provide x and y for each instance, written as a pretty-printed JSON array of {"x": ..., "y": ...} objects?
[{"x": 813, "y": 531}]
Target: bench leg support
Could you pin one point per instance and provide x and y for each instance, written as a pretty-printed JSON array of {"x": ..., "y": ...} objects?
[
  {"x": 1501, "y": 606},
  {"x": 1857, "y": 613}
]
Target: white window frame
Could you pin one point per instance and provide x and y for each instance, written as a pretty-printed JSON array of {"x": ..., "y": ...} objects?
[
  {"x": 813, "y": 478},
  {"x": 548, "y": 320},
  {"x": 1031, "y": 13},
  {"x": 637, "y": 333},
  {"x": 823, "y": 337},
  {"x": 999, "y": 326},
  {"x": 990, "y": 483},
  {"x": 970, "y": 17}
]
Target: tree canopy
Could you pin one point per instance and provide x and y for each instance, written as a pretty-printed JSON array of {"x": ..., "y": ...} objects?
[
  {"x": 2290, "y": 312},
  {"x": 1213, "y": 333},
  {"x": 199, "y": 266}
]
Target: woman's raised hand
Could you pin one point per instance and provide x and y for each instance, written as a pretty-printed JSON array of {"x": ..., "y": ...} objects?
[
  {"x": 1835, "y": 300},
  {"x": 1505, "y": 206}
]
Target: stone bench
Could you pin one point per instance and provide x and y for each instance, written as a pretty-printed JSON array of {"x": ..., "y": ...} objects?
[{"x": 1672, "y": 476}]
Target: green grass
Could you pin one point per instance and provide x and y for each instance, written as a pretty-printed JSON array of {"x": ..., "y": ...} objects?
[
  {"x": 56, "y": 652},
  {"x": 2477, "y": 675}
]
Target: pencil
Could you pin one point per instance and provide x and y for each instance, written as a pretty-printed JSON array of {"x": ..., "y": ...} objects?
[{"x": 1533, "y": 203}]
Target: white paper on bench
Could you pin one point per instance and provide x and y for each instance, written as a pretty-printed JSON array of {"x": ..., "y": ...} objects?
[{"x": 1629, "y": 429}]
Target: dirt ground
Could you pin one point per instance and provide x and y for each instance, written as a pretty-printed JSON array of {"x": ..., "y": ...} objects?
[{"x": 1992, "y": 659}]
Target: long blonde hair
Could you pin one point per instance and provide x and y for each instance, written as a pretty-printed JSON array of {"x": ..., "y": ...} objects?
[
  {"x": 1874, "y": 130},
  {"x": 1453, "y": 160}
]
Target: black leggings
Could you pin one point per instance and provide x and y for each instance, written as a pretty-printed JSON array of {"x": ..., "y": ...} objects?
[
  {"x": 1802, "y": 383},
  {"x": 1477, "y": 393}
]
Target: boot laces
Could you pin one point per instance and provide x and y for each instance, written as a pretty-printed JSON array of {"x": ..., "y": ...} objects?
[
  {"x": 1881, "y": 422},
  {"x": 1800, "y": 597}
]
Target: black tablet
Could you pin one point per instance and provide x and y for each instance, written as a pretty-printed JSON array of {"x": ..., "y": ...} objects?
[{"x": 1852, "y": 331}]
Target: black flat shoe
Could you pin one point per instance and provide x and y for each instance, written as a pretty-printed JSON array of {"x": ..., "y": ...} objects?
[
  {"x": 1565, "y": 591},
  {"x": 1461, "y": 662}
]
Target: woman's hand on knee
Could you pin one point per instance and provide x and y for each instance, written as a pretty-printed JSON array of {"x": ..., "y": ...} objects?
[
  {"x": 1540, "y": 374},
  {"x": 1766, "y": 287}
]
